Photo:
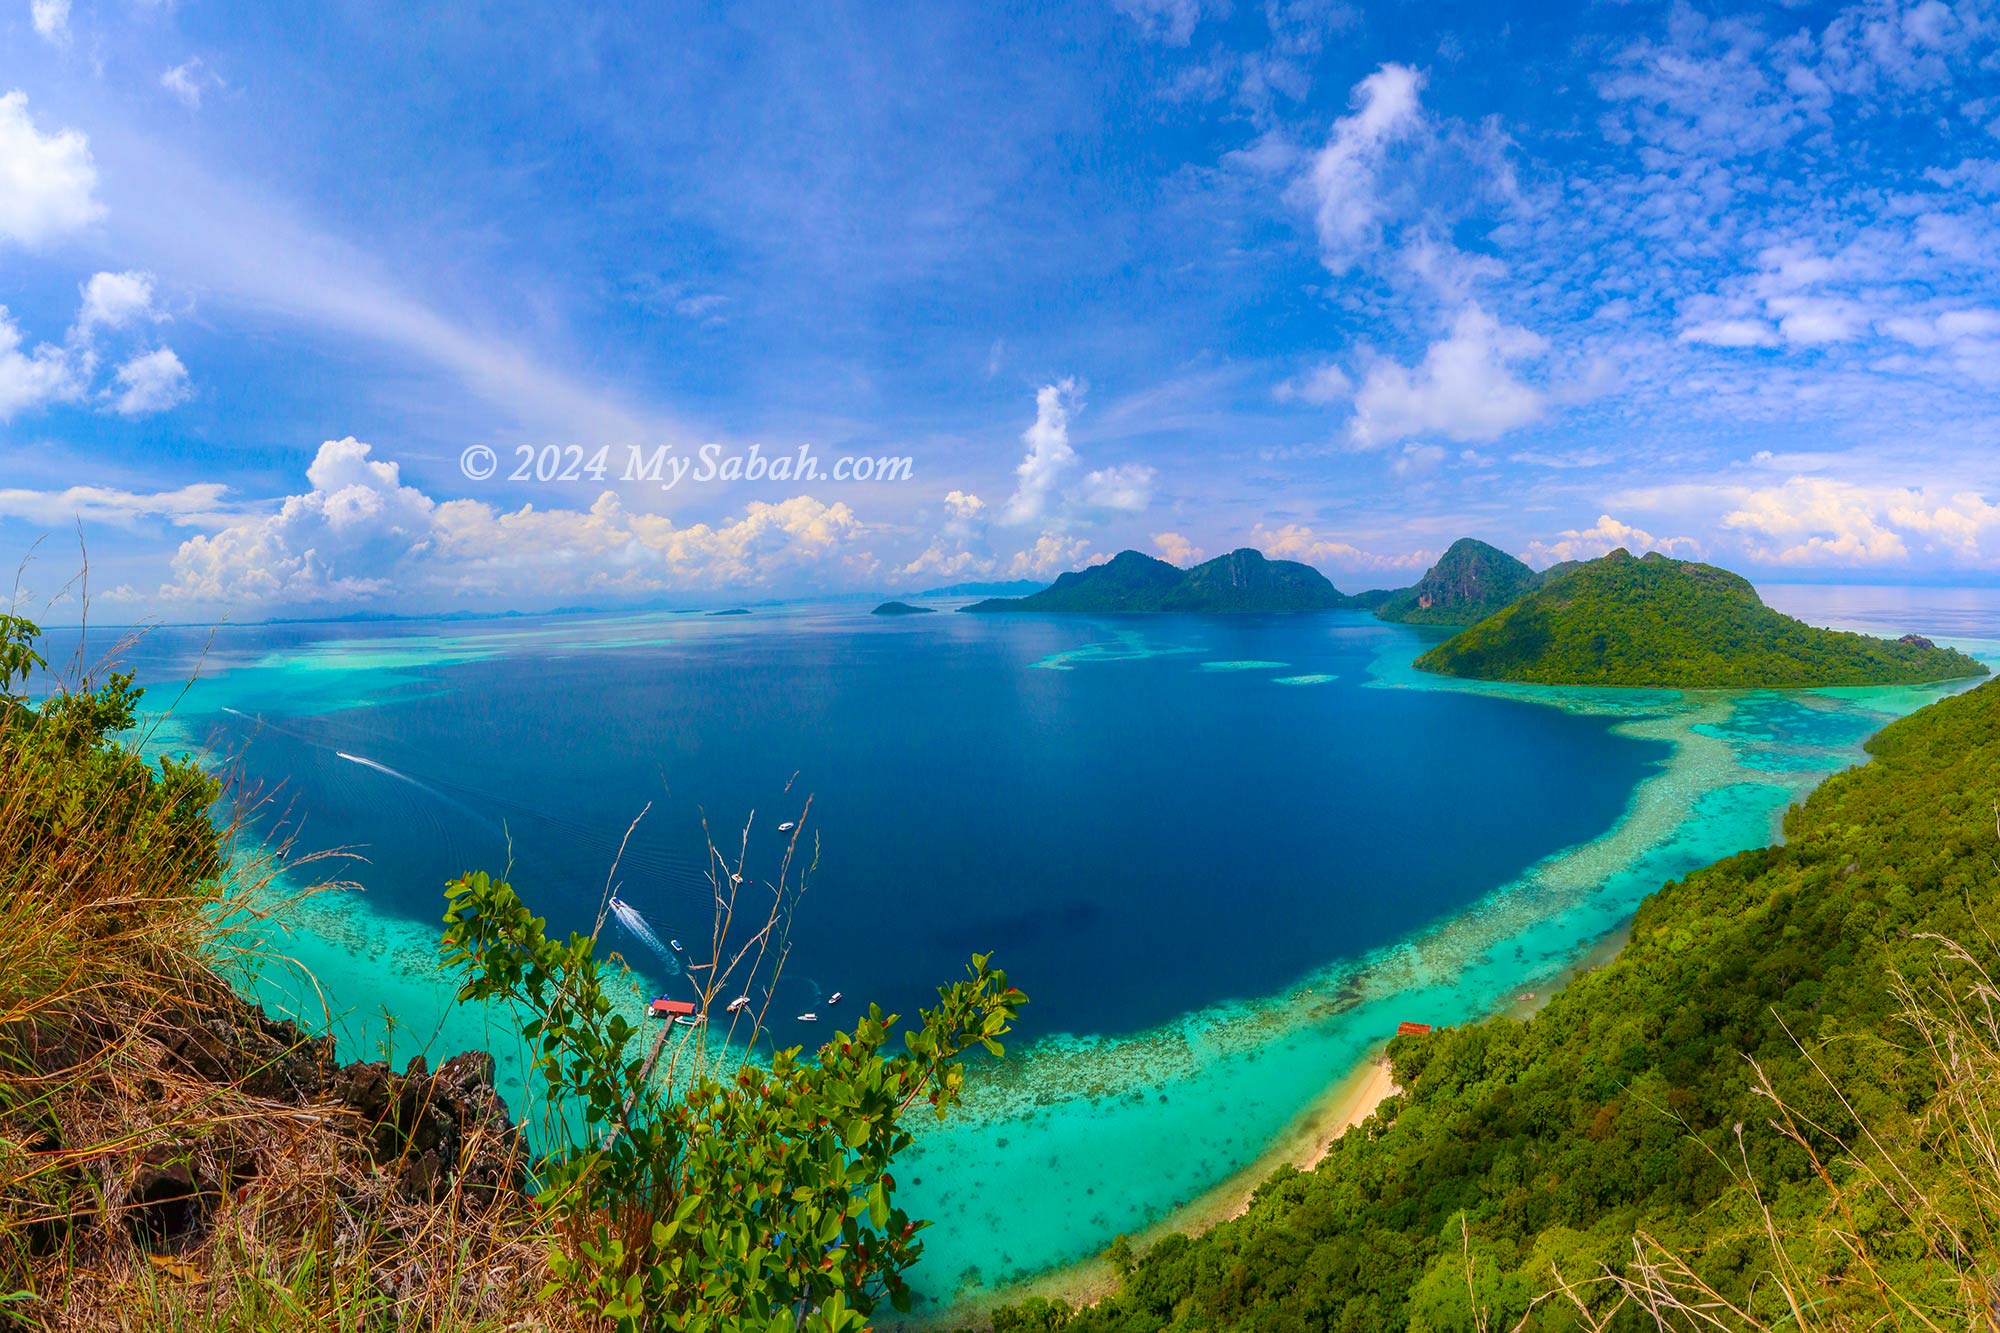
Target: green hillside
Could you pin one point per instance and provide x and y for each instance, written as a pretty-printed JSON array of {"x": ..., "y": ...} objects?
[
  {"x": 1677, "y": 624},
  {"x": 1243, "y": 580},
  {"x": 1468, "y": 583},
  {"x": 1629, "y": 1106}
]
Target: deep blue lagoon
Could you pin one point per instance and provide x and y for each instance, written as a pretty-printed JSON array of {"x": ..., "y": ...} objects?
[{"x": 1136, "y": 816}]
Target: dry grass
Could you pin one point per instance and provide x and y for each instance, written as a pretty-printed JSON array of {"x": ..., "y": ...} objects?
[{"x": 124, "y": 1052}]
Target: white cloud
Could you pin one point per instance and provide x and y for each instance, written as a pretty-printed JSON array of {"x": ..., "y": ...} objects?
[
  {"x": 1323, "y": 384},
  {"x": 1169, "y": 21},
  {"x": 1341, "y": 185},
  {"x": 1050, "y": 457},
  {"x": 51, "y": 20},
  {"x": 29, "y": 380},
  {"x": 1044, "y": 492},
  {"x": 1127, "y": 488},
  {"x": 1818, "y": 520},
  {"x": 150, "y": 382},
  {"x": 1176, "y": 549},
  {"x": 1295, "y": 541},
  {"x": 1604, "y": 537},
  {"x": 189, "y": 81},
  {"x": 360, "y": 532},
  {"x": 114, "y": 300},
  {"x": 958, "y": 548},
  {"x": 1416, "y": 460},
  {"x": 201, "y": 504},
  {"x": 1731, "y": 333},
  {"x": 47, "y": 182},
  {"x": 1463, "y": 389},
  {"x": 1052, "y": 553}
]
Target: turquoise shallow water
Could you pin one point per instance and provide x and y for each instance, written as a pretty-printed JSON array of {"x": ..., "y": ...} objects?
[{"x": 1112, "y": 1114}]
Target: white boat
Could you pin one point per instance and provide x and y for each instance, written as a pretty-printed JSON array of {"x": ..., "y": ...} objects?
[
  {"x": 833, "y": 999},
  {"x": 690, "y": 1020},
  {"x": 787, "y": 826},
  {"x": 808, "y": 1018},
  {"x": 737, "y": 1003}
]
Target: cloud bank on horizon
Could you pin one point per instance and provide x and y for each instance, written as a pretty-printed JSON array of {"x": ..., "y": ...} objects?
[{"x": 1316, "y": 277}]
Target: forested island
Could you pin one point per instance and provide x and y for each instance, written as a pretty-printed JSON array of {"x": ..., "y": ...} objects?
[
  {"x": 1652, "y": 621},
  {"x": 1133, "y": 582},
  {"x": 902, "y": 609},
  {"x": 1469, "y": 582},
  {"x": 1792, "y": 1045}
]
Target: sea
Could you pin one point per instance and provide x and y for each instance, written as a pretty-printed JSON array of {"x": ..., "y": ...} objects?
[{"x": 1224, "y": 856}]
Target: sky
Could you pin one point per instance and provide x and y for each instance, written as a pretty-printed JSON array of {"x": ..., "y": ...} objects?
[{"x": 359, "y": 306}]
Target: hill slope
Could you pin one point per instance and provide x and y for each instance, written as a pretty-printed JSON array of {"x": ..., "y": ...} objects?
[
  {"x": 1243, "y": 580},
  {"x": 1618, "y": 1108},
  {"x": 1468, "y": 583},
  {"x": 1677, "y": 624}
]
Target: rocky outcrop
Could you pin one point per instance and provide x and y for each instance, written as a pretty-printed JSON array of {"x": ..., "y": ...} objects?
[{"x": 391, "y": 1142}]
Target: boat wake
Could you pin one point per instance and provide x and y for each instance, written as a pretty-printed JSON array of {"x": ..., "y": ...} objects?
[
  {"x": 379, "y": 768},
  {"x": 628, "y": 917}
]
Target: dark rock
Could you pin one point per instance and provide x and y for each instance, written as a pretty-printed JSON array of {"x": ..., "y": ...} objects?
[
  {"x": 169, "y": 1201},
  {"x": 1916, "y": 641}
]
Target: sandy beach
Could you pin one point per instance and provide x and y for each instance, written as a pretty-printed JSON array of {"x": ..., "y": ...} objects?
[{"x": 1347, "y": 1104}]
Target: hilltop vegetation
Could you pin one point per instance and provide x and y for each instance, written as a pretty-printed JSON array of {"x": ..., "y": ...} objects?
[
  {"x": 1676, "y": 624},
  {"x": 1244, "y": 580},
  {"x": 1724, "y": 1064},
  {"x": 1469, "y": 582}
]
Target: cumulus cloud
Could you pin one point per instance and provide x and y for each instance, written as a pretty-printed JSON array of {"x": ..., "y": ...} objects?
[
  {"x": 115, "y": 300},
  {"x": 958, "y": 549},
  {"x": 1050, "y": 457},
  {"x": 361, "y": 532},
  {"x": 1604, "y": 537},
  {"x": 150, "y": 382},
  {"x": 1464, "y": 388},
  {"x": 1127, "y": 488},
  {"x": 48, "y": 182},
  {"x": 31, "y": 379},
  {"x": 1176, "y": 549},
  {"x": 1341, "y": 184},
  {"x": 1296, "y": 541},
  {"x": 1052, "y": 553},
  {"x": 1044, "y": 491},
  {"x": 1819, "y": 520}
]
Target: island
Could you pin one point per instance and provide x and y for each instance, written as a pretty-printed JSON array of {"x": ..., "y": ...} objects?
[
  {"x": 1657, "y": 622},
  {"x": 1469, "y": 582},
  {"x": 1131, "y": 581},
  {"x": 902, "y": 609},
  {"x": 1002, "y": 588},
  {"x": 732, "y": 611}
]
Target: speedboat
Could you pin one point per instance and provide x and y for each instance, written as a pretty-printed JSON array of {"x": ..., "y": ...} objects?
[
  {"x": 808, "y": 1018},
  {"x": 678, "y": 946},
  {"x": 787, "y": 826},
  {"x": 737, "y": 1003},
  {"x": 833, "y": 999},
  {"x": 690, "y": 1020}
]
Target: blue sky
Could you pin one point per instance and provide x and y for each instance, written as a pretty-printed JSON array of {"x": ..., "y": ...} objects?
[{"x": 1340, "y": 281}]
